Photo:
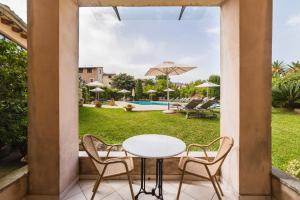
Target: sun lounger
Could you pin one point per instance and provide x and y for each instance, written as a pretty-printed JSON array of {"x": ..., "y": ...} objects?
[{"x": 203, "y": 110}]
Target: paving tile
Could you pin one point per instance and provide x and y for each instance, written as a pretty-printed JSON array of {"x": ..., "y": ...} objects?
[
  {"x": 73, "y": 191},
  {"x": 103, "y": 191},
  {"x": 79, "y": 196},
  {"x": 199, "y": 191},
  {"x": 85, "y": 184},
  {"x": 119, "y": 190},
  {"x": 113, "y": 196}
]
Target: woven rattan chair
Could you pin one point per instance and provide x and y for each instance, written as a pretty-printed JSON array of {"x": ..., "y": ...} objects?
[
  {"x": 107, "y": 167},
  {"x": 206, "y": 168}
]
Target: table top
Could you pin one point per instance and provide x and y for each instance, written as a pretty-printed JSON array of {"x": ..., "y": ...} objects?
[{"x": 154, "y": 146}]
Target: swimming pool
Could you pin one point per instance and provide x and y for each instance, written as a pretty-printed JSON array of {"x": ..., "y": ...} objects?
[{"x": 151, "y": 103}]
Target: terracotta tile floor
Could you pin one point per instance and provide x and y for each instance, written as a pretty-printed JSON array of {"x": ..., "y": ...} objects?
[{"x": 119, "y": 190}]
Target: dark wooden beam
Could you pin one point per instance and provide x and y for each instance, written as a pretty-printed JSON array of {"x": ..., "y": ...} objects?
[
  {"x": 6, "y": 21},
  {"x": 181, "y": 12},
  {"x": 16, "y": 29},
  {"x": 117, "y": 12}
]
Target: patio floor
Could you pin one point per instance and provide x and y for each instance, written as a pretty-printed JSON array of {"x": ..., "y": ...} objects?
[{"x": 119, "y": 190}]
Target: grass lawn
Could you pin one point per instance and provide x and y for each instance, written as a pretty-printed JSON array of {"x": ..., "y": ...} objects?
[{"x": 115, "y": 125}]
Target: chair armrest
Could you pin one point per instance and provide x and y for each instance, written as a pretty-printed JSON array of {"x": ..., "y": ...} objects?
[
  {"x": 110, "y": 146},
  {"x": 203, "y": 147},
  {"x": 197, "y": 160}
]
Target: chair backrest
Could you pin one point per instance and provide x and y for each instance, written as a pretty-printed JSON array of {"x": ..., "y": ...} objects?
[
  {"x": 193, "y": 103},
  {"x": 91, "y": 145},
  {"x": 226, "y": 143},
  {"x": 206, "y": 104}
]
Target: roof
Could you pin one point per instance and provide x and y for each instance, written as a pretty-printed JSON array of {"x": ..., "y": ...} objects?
[
  {"x": 84, "y": 67},
  {"x": 7, "y": 13}
]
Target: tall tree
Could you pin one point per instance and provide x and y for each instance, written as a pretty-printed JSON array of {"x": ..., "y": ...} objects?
[
  {"x": 123, "y": 81},
  {"x": 278, "y": 68},
  {"x": 294, "y": 67},
  {"x": 139, "y": 89},
  {"x": 13, "y": 95}
]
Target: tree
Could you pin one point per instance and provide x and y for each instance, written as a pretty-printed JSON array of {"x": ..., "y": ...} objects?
[
  {"x": 278, "y": 68},
  {"x": 286, "y": 91},
  {"x": 13, "y": 95},
  {"x": 294, "y": 67},
  {"x": 138, "y": 89},
  {"x": 161, "y": 77},
  {"x": 215, "y": 91},
  {"x": 123, "y": 81}
]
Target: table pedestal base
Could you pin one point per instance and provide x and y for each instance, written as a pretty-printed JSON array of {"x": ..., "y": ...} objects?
[{"x": 159, "y": 179}]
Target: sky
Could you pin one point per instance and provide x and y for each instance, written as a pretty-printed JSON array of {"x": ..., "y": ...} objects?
[{"x": 148, "y": 36}]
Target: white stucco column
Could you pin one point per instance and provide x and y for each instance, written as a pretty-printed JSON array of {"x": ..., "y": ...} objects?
[
  {"x": 246, "y": 57},
  {"x": 53, "y": 98}
]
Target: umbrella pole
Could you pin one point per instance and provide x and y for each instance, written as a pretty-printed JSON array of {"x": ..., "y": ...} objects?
[
  {"x": 168, "y": 95},
  {"x": 207, "y": 92}
]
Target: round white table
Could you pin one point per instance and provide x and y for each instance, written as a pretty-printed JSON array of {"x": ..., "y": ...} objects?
[{"x": 156, "y": 147}]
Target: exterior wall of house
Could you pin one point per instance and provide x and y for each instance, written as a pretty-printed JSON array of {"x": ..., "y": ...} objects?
[
  {"x": 88, "y": 77},
  {"x": 12, "y": 27},
  {"x": 97, "y": 74}
]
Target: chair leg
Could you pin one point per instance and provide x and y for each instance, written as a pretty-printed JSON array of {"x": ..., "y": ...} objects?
[
  {"x": 95, "y": 188},
  {"x": 219, "y": 186},
  {"x": 180, "y": 184},
  {"x": 215, "y": 187},
  {"x": 130, "y": 185}
]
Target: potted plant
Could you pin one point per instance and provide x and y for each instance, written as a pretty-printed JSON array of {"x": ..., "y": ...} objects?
[
  {"x": 129, "y": 107},
  {"x": 98, "y": 104}
]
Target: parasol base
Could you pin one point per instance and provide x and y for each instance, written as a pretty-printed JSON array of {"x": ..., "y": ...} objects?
[{"x": 169, "y": 111}]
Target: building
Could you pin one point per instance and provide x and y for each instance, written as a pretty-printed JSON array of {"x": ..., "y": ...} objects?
[
  {"x": 12, "y": 27},
  {"x": 90, "y": 74}
]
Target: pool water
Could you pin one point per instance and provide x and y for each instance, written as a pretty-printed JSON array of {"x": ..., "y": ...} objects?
[{"x": 158, "y": 103}]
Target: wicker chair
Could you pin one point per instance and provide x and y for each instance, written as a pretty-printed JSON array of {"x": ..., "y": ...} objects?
[
  {"x": 206, "y": 168},
  {"x": 107, "y": 167}
]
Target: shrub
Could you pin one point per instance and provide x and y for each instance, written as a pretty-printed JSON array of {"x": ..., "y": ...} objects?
[
  {"x": 286, "y": 91},
  {"x": 98, "y": 104},
  {"x": 294, "y": 168},
  {"x": 13, "y": 93},
  {"x": 129, "y": 107}
]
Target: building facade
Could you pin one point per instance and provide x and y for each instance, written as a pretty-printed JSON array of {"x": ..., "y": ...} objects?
[{"x": 90, "y": 74}]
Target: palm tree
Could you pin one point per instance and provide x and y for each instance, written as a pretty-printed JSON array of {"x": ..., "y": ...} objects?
[
  {"x": 278, "y": 68},
  {"x": 294, "y": 67}
]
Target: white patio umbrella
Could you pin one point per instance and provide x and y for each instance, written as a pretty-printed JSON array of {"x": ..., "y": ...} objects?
[
  {"x": 124, "y": 92},
  {"x": 133, "y": 93},
  {"x": 207, "y": 85},
  {"x": 169, "y": 90},
  {"x": 151, "y": 92},
  {"x": 95, "y": 84},
  {"x": 97, "y": 90},
  {"x": 168, "y": 68}
]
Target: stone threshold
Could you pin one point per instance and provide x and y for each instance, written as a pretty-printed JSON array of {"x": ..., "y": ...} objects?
[{"x": 286, "y": 180}]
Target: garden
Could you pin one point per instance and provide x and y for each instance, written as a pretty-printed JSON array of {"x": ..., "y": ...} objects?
[{"x": 115, "y": 125}]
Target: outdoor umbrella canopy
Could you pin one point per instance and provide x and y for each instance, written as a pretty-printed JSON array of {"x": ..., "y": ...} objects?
[
  {"x": 207, "y": 85},
  {"x": 151, "y": 92},
  {"x": 95, "y": 84},
  {"x": 168, "y": 68},
  {"x": 97, "y": 90},
  {"x": 169, "y": 90},
  {"x": 124, "y": 92}
]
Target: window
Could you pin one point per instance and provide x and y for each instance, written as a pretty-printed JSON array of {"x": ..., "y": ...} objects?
[
  {"x": 109, "y": 76},
  {"x": 91, "y": 80},
  {"x": 80, "y": 70},
  {"x": 89, "y": 70}
]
